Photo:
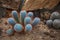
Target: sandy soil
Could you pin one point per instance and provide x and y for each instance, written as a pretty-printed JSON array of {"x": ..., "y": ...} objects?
[{"x": 40, "y": 32}]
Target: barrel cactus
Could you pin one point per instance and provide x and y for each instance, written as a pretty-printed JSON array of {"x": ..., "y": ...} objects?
[
  {"x": 28, "y": 27},
  {"x": 55, "y": 15},
  {"x": 30, "y": 14},
  {"x": 27, "y": 20},
  {"x": 18, "y": 27},
  {"x": 9, "y": 32},
  {"x": 11, "y": 21},
  {"x": 26, "y": 23},
  {"x": 49, "y": 23},
  {"x": 56, "y": 23},
  {"x": 35, "y": 21}
]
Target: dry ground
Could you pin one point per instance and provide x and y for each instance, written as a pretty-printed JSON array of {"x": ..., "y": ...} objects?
[{"x": 40, "y": 32}]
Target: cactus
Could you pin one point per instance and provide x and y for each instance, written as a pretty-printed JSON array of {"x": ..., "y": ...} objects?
[
  {"x": 11, "y": 21},
  {"x": 22, "y": 16},
  {"x": 56, "y": 23},
  {"x": 30, "y": 14},
  {"x": 36, "y": 21},
  {"x": 28, "y": 27},
  {"x": 27, "y": 20},
  {"x": 18, "y": 27},
  {"x": 55, "y": 15},
  {"x": 9, "y": 32},
  {"x": 49, "y": 23},
  {"x": 15, "y": 15}
]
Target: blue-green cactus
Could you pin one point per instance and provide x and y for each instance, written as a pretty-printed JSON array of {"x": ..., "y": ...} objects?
[
  {"x": 22, "y": 16},
  {"x": 24, "y": 19},
  {"x": 30, "y": 14},
  {"x": 9, "y": 32},
  {"x": 36, "y": 21},
  {"x": 11, "y": 21},
  {"x": 27, "y": 20},
  {"x": 18, "y": 27},
  {"x": 55, "y": 15},
  {"x": 56, "y": 23},
  {"x": 15, "y": 15},
  {"x": 49, "y": 23},
  {"x": 28, "y": 27}
]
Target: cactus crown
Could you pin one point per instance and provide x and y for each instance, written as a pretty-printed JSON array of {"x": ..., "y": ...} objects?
[{"x": 54, "y": 20}]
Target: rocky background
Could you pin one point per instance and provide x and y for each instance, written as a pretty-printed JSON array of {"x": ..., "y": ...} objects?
[{"x": 40, "y": 8}]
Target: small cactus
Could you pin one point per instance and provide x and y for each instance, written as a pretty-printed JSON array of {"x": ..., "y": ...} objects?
[
  {"x": 9, "y": 32},
  {"x": 49, "y": 23},
  {"x": 22, "y": 16},
  {"x": 18, "y": 27},
  {"x": 30, "y": 14},
  {"x": 36, "y": 21},
  {"x": 15, "y": 15},
  {"x": 56, "y": 23},
  {"x": 27, "y": 20},
  {"x": 11, "y": 21},
  {"x": 55, "y": 15},
  {"x": 28, "y": 27}
]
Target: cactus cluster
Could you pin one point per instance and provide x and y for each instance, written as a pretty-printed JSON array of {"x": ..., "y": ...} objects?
[
  {"x": 22, "y": 22},
  {"x": 54, "y": 20}
]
